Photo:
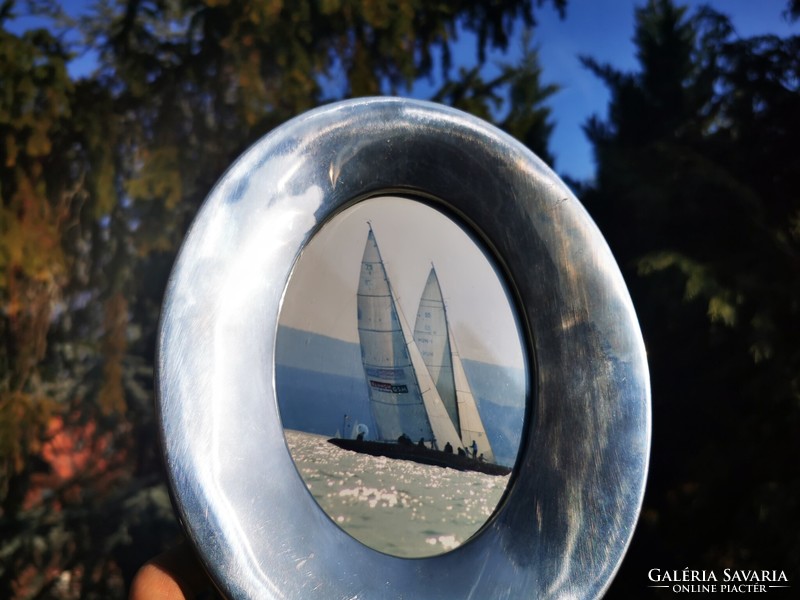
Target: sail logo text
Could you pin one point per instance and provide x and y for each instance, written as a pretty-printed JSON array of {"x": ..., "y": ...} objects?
[
  {"x": 388, "y": 387},
  {"x": 708, "y": 581}
]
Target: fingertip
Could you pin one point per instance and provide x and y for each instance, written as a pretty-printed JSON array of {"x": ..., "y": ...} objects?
[{"x": 153, "y": 583}]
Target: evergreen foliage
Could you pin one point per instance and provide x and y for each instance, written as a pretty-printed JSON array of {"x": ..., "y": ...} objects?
[
  {"x": 100, "y": 177},
  {"x": 695, "y": 194}
]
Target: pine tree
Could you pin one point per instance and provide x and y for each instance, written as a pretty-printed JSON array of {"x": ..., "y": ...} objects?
[
  {"x": 99, "y": 178},
  {"x": 693, "y": 193}
]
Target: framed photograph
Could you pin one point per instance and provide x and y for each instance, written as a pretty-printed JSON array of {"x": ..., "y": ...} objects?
[
  {"x": 397, "y": 359},
  {"x": 398, "y": 340}
]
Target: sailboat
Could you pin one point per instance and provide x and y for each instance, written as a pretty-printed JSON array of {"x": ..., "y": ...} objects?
[
  {"x": 436, "y": 343},
  {"x": 419, "y": 395}
]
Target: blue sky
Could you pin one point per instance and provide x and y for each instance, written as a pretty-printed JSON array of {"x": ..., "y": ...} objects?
[
  {"x": 604, "y": 31},
  {"x": 601, "y": 29}
]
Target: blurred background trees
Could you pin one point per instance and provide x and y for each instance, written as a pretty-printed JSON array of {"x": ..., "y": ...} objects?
[
  {"x": 695, "y": 192},
  {"x": 101, "y": 174}
]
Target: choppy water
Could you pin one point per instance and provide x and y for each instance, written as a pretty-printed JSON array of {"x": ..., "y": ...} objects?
[{"x": 395, "y": 506}]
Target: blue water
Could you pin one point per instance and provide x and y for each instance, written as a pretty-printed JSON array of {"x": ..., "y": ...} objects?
[{"x": 321, "y": 389}]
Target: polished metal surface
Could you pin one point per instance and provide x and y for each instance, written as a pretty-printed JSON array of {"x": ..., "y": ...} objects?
[{"x": 569, "y": 513}]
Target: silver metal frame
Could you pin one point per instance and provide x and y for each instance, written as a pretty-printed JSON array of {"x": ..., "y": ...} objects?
[{"x": 562, "y": 528}]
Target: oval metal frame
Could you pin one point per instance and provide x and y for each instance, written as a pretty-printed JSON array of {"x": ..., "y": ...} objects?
[{"x": 568, "y": 516}]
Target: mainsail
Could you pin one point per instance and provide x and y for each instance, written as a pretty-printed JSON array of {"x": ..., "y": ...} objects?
[
  {"x": 435, "y": 341},
  {"x": 403, "y": 398},
  {"x": 431, "y": 337}
]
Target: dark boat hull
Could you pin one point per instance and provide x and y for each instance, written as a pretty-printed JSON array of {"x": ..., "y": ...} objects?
[{"x": 420, "y": 454}]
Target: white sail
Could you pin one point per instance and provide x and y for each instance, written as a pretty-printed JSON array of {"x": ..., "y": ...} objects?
[
  {"x": 444, "y": 431},
  {"x": 403, "y": 398},
  {"x": 472, "y": 429},
  {"x": 395, "y": 398},
  {"x": 435, "y": 340},
  {"x": 432, "y": 339}
]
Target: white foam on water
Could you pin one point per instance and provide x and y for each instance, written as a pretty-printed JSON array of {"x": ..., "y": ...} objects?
[{"x": 395, "y": 506}]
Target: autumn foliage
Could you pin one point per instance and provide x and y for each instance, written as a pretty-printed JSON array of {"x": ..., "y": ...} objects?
[{"x": 101, "y": 173}]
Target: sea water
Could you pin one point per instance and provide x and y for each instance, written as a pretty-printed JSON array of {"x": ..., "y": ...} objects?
[{"x": 395, "y": 506}]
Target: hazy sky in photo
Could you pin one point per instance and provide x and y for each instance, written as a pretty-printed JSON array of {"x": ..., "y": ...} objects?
[{"x": 321, "y": 295}]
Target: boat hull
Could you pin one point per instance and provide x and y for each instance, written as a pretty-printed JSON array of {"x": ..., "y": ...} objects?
[{"x": 420, "y": 454}]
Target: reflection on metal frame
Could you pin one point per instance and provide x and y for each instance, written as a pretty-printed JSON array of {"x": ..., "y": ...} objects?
[{"x": 568, "y": 516}]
